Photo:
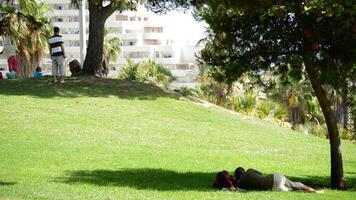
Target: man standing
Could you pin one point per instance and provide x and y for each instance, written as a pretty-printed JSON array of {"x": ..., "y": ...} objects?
[{"x": 56, "y": 50}]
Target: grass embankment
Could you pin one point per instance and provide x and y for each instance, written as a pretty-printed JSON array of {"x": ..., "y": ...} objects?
[{"x": 111, "y": 139}]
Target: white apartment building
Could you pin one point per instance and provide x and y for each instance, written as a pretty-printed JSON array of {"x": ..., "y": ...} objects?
[{"x": 144, "y": 36}]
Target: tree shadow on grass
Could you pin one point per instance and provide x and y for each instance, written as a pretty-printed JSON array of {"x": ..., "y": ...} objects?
[
  {"x": 144, "y": 179},
  {"x": 82, "y": 86},
  {"x": 2, "y": 183},
  {"x": 320, "y": 182},
  {"x": 168, "y": 180}
]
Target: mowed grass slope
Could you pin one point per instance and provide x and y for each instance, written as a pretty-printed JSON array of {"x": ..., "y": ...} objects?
[{"x": 111, "y": 139}]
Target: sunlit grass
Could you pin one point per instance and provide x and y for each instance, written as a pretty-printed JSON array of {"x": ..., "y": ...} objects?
[{"x": 110, "y": 139}]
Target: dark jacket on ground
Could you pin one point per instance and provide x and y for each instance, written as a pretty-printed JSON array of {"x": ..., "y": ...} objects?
[{"x": 255, "y": 180}]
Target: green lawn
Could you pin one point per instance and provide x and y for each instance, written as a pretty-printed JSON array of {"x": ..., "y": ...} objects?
[{"x": 111, "y": 139}]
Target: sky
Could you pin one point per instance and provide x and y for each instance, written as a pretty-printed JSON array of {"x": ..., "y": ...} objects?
[
  {"x": 184, "y": 26},
  {"x": 181, "y": 26}
]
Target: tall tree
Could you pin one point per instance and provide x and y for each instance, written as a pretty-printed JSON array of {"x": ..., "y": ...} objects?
[
  {"x": 29, "y": 28},
  {"x": 283, "y": 36},
  {"x": 99, "y": 11}
]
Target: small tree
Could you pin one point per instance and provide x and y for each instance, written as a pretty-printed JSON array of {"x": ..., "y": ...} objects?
[{"x": 29, "y": 29}]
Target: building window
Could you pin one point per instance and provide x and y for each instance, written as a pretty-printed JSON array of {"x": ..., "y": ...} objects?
[
  {"x": 167, "y": 54},
  {"x": 122, "y": 17},
  {"x": 137, "y": 54},
  {"x": 132, "y": 18},
  {"x": 153, "y": 29},
  {"x": 151, "y": 42}
]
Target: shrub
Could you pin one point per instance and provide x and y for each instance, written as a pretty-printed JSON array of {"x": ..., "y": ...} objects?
[
  {"x": 147, "y": 72},
  {"x": 245, "y": 103},
  {"x": 314, "y": 129},
  {"x": 186, "y": 91},
  {"x": 236, "y": 104},
  {"x": 280, "y": 112},
  {"x": 264, "y": 108},
  {"x": 129, "y": 71},
  {"x": 347, "y": 134},
  {"x": 205, "y": 90}
]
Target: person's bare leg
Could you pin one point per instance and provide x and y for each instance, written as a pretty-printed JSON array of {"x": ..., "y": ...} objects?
[{"x": 307, "y": 189}]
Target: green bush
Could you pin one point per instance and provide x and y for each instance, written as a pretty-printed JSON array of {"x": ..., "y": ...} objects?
[
  {"x": 129, "y": 71},
  {"x": 264, "y": 108},
  {"x": 314, "y": 129},
  {"x": 347, "y": 134},
  {"x": 147, "y": 72},
  {"x": 245, "y": 103},
  {"x": 186, "y": 91},
  {"x": 205, "y": 90},
  {"x": 280, "y": 112}
]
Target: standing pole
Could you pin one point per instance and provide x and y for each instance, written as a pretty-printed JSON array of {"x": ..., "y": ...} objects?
[{"x": 82, "y": 26}]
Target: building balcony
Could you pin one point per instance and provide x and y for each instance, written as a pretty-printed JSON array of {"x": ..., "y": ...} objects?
[
  {"x": 66, "y": 24},
  {"x": 153, "y": 36},
  {"x": 110, "y": 23},
  {"x": 136, "y": 48},
  {"x": 130, "y": 36},
  {"x": 71, "y": 37},
  {"x": 59, "y": 13}
]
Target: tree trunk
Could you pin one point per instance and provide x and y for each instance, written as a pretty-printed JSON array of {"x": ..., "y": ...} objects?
[
  {"x": 93, "y": 59},
  {"x": 23, "y": 65},
  {"x": 337, "y": 173}
]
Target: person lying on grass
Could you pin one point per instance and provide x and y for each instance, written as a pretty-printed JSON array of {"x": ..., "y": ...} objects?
[{"x": 255, "y": 180}]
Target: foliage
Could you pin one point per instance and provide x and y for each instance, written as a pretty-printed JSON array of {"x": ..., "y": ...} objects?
[
  {"x": 245, "y": 103},
  {"x": 111, "y": 48},
  {"x": 128, "y": 72},
  {"x": 264, "y": 108},
  {"x": 280, "y": 112},
  {"x": 313, "y": 129},
  {"x": 147, "y": 72},
  {"x": 186, "y": 91},
  {"x": 313, "y": 110},
  {"x": 29, "y": 28}
]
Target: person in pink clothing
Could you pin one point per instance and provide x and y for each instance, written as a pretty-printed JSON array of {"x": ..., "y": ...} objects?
[{"x": 9, "y": 52}]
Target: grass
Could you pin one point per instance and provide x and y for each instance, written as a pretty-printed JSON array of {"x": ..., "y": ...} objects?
[{"x": 111, "y": 139}]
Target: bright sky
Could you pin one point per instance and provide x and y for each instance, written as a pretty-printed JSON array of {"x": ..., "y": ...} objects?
[{"x": 184, "y": 26}]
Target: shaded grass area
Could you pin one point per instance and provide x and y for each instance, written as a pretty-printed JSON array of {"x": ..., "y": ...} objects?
[
  {"x": 110, "y": 139},
  {"x": 161, "y": 179},
  {"x": 143, "y": 179},
  {"x": 75, "y": 87}
]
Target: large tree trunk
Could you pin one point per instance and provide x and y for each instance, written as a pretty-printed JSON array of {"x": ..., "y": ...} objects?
[
  {"x": 23, "y": 65},
  {"x": 337, "y": 173},
  {"x": 94, "y": 57}
]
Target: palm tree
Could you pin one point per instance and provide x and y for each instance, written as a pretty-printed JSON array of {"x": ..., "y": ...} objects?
[
  {"x": 29, "y": 29},
  {"x": 110, "y": 52}
]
